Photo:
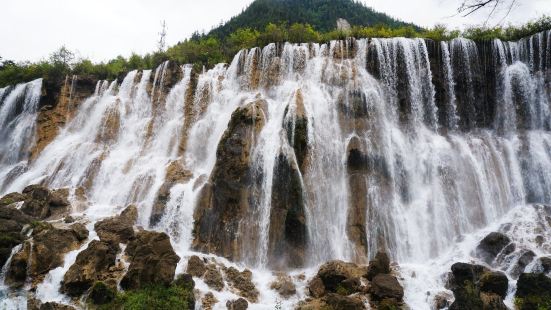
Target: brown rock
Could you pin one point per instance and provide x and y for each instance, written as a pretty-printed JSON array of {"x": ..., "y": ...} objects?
[
  {"x": 386, "y": 286},
  {"x": 224, "y": 201},
  {"x": 152, "y": 260},
  {"x": 12, "y": 222},
  {"x": 11, "y": 199},
  {"x": 242, "y": 282},
  {"x": 118, "y": 229},
  {"x": 492, "y": 302},
  {"x": 175, "y": 174},
  {"x": 316, "y": 287},
  {"x": 37, "y": 203},
  {"x": 284, "y": 286},
  {"x": 213, "y": 278},
  {"x": 333, "y": 273},
  {"x": 91, "y": 265},
  {"x": 196, "y": 267},
  {"x": 339, "y": 302},
  {"x": 208, "y": 301},
  {"x": 55, "y": 306},
  {"x": 238, "y": 304},
  {"x": 381, "y": 264}
]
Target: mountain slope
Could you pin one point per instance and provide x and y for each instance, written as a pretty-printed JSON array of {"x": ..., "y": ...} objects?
[{"x": 321, "y": 14}]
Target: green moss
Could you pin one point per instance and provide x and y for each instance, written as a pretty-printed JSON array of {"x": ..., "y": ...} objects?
[
  {"x": 533, "y": 302},
  {"x": 341, "y": 290},
  {"x": 154, "y": 297},
  {"x": 7, "y": 239}
]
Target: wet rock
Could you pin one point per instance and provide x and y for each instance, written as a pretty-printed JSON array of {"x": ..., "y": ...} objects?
[
  {"x": 185, "y": 280},
  {"x": 81, "y": 232},
  {"x": 11, "y": 199},
  {"x": 37, "y": 203},
  {"x": 545, "y": 263},
  {"x": 47, "y": 252},
  {"x": 534, "y": 286},
  {"x": 284, "y": 286},
  {"x": 494, "y": 282},
  {"x": 491, "y": 245},
  {"x": 152, "y": 261},
  {"x": 12, "y": 222},
  {"x": 208, "y": 301},
  {"x": 333, "y": 273},
  {"x": 213, "y": 278},
  {"x": 101, "y": 294},
  {"x": 196, "y": 266},
  {"x": 242, "y": 282},
  {"x": 91, "y": 265},
  {"x": 59, "y": 198},
  {"x": 55, "y": 306},
  {"x": 287, "y": 230},
  {"x": 118, "y": 229},
  {"x": 175, "y": 174},
  {"x": 316, "y": 287},
  {"x": 476, "y": 287},
  {"x": 442, "y": 300},
  {"x": 385, "y": 286},
  {"x": 339, "y": 302},
  {"x": 379, "y": 265},
  {"x": 238, "y": 304},
  {"x": 525, "y": 258},
  {"x": 224, "y": 201}
]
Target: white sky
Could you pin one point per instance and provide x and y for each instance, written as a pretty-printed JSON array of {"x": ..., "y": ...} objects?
[{"x": 103, "y": 29}]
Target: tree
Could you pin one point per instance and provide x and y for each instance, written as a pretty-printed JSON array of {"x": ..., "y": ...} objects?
[
  {"x": 242, "y": 38},
  {"x": 62, "y": 57},
  {"x": 162, "y": 37},
  {"x": 469, "y": 7},
  {"x": 303, "y": 33}
]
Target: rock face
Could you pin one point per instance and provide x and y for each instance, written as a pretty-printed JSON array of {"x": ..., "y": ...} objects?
[
  {"x": 213, "y": 278},
  {"x": 386, "y": 286},
  {"x": 38, "y": 202},
  {"x": 379, "y": 265},
  {"x": 12, "y": 222},
  {"x": 491, "y": 246},
  {"x": 476, "y": 287},
  {"x": 224, "y": 201},
  {"x": 287, "y": 235},
  {"x": 49, "y": 245},
  {"x": 533, "y": 291},
  {"x": 118, "y": 229},
  {"x": 238, "y": 304},
  {"x": 59, "y": 107},
  {"x": 334, "y": 273},
  {"x": 152, "y": 261},
  {"x": 242, "y": 283},
  {"x": 91, "y": 265},
  {"x": 175, "y": 174},
  {"x": 196, "y": 266}
]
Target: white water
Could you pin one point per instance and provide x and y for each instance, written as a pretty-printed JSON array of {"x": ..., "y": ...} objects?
[{"x": 431, "y": 195}]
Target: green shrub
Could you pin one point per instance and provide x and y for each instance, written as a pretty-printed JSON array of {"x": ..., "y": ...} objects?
[{"x": 153, "y": 297}]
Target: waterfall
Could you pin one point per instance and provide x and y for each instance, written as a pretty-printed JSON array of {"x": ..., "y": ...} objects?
[{"x": 344, "y": 150}]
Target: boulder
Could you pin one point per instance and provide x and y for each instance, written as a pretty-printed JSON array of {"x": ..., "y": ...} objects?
[
  {"x": 185, "y": 280},
  {"x": 545, "y": 263},
  {"x": 118, "y": 229},
  {"x": 339, "y": 302},
  {"x": 524, "y": 259},
  {"x": 242, "y": 282},
  {"x": 101, "y": 294},
  {"x": 91, "y": 265},
  {"x": 492, "y": 302},
  {"x": 379, "y": 265},
  {"x": 47, "y": 252},
  {"x": 316, "y": 287},
  {"x": 533, "y": 291},
  {"x": 196, "y": 266},
  {"x": 238, "y": 304},
  {"x": 12, "y": 222},
  {"x": 56, "y": 306},
  {"x": 152, "y": 261},
  {"x": 213, "y": 278},
  {"x": 11, "y": 199},
  {"x": 333, "y": 273},
  {"x": 224, "y": 200},
  {"x": 284, "y": 286},
  {"x": 385, "y": 286},
  {"x": 208, "y": 301},
  {"x": 491, "y": 246},
  {"x": 494, "y": 282}
]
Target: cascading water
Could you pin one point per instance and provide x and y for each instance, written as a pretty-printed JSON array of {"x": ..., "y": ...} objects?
[{"x": 353, "y": 130}]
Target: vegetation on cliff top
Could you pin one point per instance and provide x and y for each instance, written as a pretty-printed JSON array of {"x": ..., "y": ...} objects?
[{"x": 209, "y": 49}]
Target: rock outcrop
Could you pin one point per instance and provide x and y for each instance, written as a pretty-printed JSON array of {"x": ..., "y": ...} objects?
[
  {"x": 224, "y": 201},
  {"x": 39, "y": 202},
  {"x": 533, "y": 291},
  {"x": 152, "y": 261},
  {"x": 477, "y": 287},
  {"x": 175, "y": 174},
  {"x": 12, "y": 222},
  {"x": 44, "y": 252},
  {"x": 118, "y": 229},
  {"x": 242, "y": 283},
  {"x": 91, "y": 265},
  {"x": 491, "y": 246}
]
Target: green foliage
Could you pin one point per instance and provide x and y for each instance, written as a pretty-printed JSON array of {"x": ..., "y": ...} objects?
[
  {"x": 533, "y": 302},
  {"x": 341, "y": 290},
  {"x": 321, "y": 14},
  {"x": 273, "y": 34},
  {"x": 303, "y": 33},
  {"x": 206, "y": 51},
  {"x": 154, "y": 297},
  {"x": 241, "y": 39}
]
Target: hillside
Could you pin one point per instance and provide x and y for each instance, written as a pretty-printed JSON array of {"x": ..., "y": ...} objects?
[{"x": 321, "y": 14}]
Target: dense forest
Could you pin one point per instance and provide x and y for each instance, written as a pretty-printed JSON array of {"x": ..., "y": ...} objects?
[
  {"x": 321, "y": 14},
  {"x": 222, "y": 43}
]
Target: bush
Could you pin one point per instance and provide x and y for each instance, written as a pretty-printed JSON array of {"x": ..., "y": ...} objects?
[{"x": 153, "y": 297}]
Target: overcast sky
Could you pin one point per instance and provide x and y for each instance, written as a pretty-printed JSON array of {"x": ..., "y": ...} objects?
[{"x": 103, "y": 29}]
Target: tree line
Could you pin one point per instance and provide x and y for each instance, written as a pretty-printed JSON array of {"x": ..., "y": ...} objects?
[{"x": 203, "y": 50}]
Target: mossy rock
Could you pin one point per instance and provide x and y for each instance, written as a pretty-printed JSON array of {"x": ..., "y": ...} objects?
[
  {"x": 101, "y": 294},
  {"x": 11, "y": 199},
  {"x": 153, "y": 297}
]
